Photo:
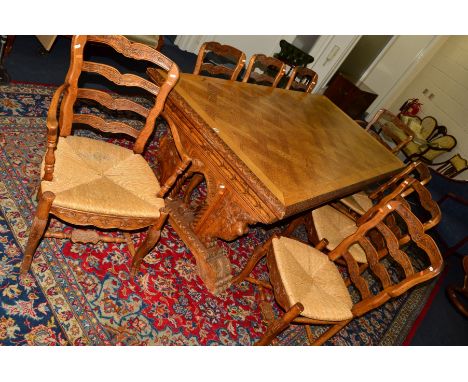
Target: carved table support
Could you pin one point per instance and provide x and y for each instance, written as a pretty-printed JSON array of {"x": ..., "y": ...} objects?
[
  {"x": 221, "y": 216},
  {"x": 214, "y": 267}
]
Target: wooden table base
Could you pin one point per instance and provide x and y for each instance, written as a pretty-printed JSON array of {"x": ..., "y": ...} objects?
[{"x": 213, "y": 265}]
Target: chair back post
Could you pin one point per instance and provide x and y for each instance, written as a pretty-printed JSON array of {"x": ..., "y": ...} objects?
[
  {"x": 166, "y": 87},
  {"x": 71, "y": 80}
]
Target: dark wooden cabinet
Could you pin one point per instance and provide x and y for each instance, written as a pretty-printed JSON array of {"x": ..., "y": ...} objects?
[{"x": 352, "y": 99}]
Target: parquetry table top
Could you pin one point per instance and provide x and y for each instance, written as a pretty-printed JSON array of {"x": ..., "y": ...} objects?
[{"x": 301, "y": 146}]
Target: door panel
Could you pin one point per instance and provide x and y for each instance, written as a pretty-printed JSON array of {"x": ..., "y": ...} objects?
[{"x": 329, "y": 52}]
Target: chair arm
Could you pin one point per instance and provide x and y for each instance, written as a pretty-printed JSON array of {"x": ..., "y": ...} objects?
[
  {"x": 52, "y": 130},
  {"x": 431, "y": 146},
  {"x": 377, "y": 194},
  {"x": 176, "y": 136},
  {"x": 322, "y": 244},
  {"x": 183, "y": 164},
  {"x": 402, "y": 144},
  {"x": 361, "y": 123}
]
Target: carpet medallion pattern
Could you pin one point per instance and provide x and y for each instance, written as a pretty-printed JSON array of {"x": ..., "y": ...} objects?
[{"x": 80, "y": 294}]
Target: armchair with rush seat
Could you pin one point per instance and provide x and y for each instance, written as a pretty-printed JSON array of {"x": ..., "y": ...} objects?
[
  {"x": 90, "y": 182},
  {"x": 314, "y": 288}
]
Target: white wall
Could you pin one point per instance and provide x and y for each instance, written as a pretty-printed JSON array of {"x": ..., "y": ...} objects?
[
  {"x": 397, "y": 65},
  {"x": 445, "y": 76}
]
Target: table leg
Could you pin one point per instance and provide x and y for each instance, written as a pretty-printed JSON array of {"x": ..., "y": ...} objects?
[
  {"x": 213, "y": 264},
  {"x": 220, "y": 217}
]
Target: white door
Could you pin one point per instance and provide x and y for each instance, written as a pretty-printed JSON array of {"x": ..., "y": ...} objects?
[{"x": 329, "y": 52}]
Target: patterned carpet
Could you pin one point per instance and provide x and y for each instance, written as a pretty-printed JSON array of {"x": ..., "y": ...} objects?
[{"x": 82, "y": 295}]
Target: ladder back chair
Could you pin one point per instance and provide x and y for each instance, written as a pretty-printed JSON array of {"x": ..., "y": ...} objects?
[
  {"x": 302, "y": 79},
  {"x": 314, "y": 288},
  {"x": 233, "y": 60},
  {"x": 329, "y": 223},
  {"x": 390, "y": 131},
  {"x": 90, "y": 182},
  {"x": 360, "y": 202},
  {"x": 332, "y": 224},
  {"x": 270, "y": 70}
]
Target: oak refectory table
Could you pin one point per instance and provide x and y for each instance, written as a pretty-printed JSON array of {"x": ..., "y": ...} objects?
[{"x": 266, "y": 154}]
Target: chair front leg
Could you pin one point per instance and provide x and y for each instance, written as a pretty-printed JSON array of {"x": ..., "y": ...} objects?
[
  {"x": 293, "y": 225},
  {"x": 37, "y": 229},
  {"x": 194, "y": 182},
  {"x": 311, "y": 231},
  {"x": 280, "y": 324},
  {"x": 330, "y": 333},
  {"x": 154, "y": 233},
  {"x": 258, "y": 253}
]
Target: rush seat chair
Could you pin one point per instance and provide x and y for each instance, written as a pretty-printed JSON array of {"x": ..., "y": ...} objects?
[
  {"x": 89, "y": 182},
  {"x": 314, "y": 288}
]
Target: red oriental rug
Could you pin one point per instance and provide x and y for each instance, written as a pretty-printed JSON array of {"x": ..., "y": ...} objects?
[{"x": 82, "y": 294}]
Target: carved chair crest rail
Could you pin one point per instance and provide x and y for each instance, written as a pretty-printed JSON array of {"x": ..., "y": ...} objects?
[
  {"x": 270, "y": 72},
  {"x": 233, "y": 57},
  {"x": 302, "y": 79}
]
